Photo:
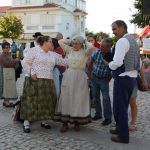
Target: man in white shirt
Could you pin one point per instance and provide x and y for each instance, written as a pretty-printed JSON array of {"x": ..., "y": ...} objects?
[{"x": 125, "y": 66}]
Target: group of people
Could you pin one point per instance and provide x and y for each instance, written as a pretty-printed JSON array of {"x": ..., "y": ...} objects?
[{"x": 59, "y": 73}]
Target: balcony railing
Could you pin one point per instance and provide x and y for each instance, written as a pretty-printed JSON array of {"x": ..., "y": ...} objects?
[{"x": 32, "y": 27}]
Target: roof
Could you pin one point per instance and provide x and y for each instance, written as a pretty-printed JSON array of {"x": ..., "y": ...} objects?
[
  {"x": 35, "y": 7},
  {"x": 79, "y": 11},
  {"x": 3, "y": 9}
]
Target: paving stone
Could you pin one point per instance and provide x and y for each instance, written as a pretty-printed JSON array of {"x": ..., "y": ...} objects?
[{"x": 13, "y": 138}]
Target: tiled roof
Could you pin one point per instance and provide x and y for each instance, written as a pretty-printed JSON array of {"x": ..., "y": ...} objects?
[
  {"x": 35, "y": 7},
  {"x": 3, "y": 9},
  {"x": 79, "y": 11}
]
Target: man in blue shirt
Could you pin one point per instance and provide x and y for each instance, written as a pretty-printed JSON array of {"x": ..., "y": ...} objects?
[
  {"x": 101, "y": 75},
  {"x": 13, "y": 49}
]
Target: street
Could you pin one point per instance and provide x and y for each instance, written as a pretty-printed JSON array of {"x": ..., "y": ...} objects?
[{"x": 91, "y": 137}]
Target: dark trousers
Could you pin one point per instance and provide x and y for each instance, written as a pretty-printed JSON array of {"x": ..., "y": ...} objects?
[{"x": 123, "y": 87}]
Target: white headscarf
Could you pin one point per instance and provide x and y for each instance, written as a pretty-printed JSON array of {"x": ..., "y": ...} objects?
[{"x": 79, "y": 38}]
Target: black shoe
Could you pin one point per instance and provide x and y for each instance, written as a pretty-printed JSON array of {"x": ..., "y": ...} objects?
[
  {"x": 113, "y": 131},
  {"x": 119, "y": 140},
  {"x": 26, "y": 130},
  {"x": 8, "y": 104},
  {"x": 96, "y": 118},
  {"x": 106, "y": 122},
  {"x": 45, "y": 125}
]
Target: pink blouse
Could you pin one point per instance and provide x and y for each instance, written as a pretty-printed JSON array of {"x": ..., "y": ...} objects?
[{"x": 147, "y": 69}]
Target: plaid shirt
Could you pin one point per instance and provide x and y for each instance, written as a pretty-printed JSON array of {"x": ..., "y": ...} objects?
[{"x": 101, "y": 70}]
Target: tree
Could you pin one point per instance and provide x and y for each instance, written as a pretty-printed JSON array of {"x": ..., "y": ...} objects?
[
  {"x": 11, "y": 27},
  {"x": 104, "y": 35},
  {"x": 138, "y": 18}
]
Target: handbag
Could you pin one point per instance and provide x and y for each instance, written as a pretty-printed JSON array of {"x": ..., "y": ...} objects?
[
  {"x": 16, "y": 112},
  {"x": 140, "y": 83}
]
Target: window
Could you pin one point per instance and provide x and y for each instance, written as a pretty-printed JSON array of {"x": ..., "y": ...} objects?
[
  {"x": 75, "y": 3},
  {"x": 27, "y": 19},
  {"x": 82, "y": 26},
  {"x": 47, "y": 20},
  {"x": 48, "y": 27},
  {"x": 67, "y": 26},
  {"x": 35, "y": 19},
  {"x": 32, "y": 27},
  {"x": 27, "y": 2}
]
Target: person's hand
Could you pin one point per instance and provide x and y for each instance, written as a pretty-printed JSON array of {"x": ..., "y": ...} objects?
[
  {"x": 34, "y": 77},
  {"x": 144, "y": 85},
  {"x": 109, "y": 78},
  {"x": 105, "y": 62},
  {"x": 90, "y": 76}
]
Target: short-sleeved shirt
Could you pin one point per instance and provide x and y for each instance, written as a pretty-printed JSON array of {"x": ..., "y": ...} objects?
[{"x": 100, "y": 69}]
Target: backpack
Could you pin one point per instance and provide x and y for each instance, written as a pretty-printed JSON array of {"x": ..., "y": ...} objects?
[{"x": 13, "y": 48}]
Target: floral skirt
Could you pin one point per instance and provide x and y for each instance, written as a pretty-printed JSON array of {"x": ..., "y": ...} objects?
[{"x": 39, "y": 99}]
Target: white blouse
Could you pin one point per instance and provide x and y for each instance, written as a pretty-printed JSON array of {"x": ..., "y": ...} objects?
[
  {"x": 41, "y": 63},
  {"x": 75, "y": 59}
]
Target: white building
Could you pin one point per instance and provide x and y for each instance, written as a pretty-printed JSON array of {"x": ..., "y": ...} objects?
[{"x": 50, "y": 16}]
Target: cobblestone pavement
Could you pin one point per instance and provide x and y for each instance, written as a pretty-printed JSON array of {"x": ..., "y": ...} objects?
[{"x": 91, "y": 137}]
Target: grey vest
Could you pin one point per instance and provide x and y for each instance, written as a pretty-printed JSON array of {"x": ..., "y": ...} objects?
[{"x": 132, "y": 57}]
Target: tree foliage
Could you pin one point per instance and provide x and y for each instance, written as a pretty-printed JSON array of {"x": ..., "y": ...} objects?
[
  {"x": 104, "y": 35},
  {"x": 11, "y": 27},
  {"x": 138, "y": 18}
]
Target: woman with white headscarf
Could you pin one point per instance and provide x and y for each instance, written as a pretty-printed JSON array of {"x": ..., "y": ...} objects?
[{"x": 74, "y": 104}]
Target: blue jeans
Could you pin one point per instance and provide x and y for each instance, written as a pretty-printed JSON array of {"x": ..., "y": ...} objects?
[{"x": 102, "y": 86}]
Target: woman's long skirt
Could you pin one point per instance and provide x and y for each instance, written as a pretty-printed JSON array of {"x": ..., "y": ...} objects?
[
  {"x": 74, "y": 104},
  {"x": 39, "y": 99},
  {"x": 1, "y": 82},
  {"x": 9, "y": 84}
]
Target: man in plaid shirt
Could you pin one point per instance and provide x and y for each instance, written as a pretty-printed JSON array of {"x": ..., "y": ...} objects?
[{"x": 101, "y": 75}]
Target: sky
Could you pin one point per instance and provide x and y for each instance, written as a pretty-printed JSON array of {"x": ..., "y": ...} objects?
[{"x": 101, "y": 14}]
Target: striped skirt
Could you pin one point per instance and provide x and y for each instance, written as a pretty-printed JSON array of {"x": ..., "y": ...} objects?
[{"x": 39, "y": 99}]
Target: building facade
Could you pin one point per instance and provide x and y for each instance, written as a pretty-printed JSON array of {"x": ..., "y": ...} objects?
[{"x": 50, "y": 16}]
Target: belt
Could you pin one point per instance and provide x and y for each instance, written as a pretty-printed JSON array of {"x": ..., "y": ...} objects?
[{"x": 99, "y": 77}]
